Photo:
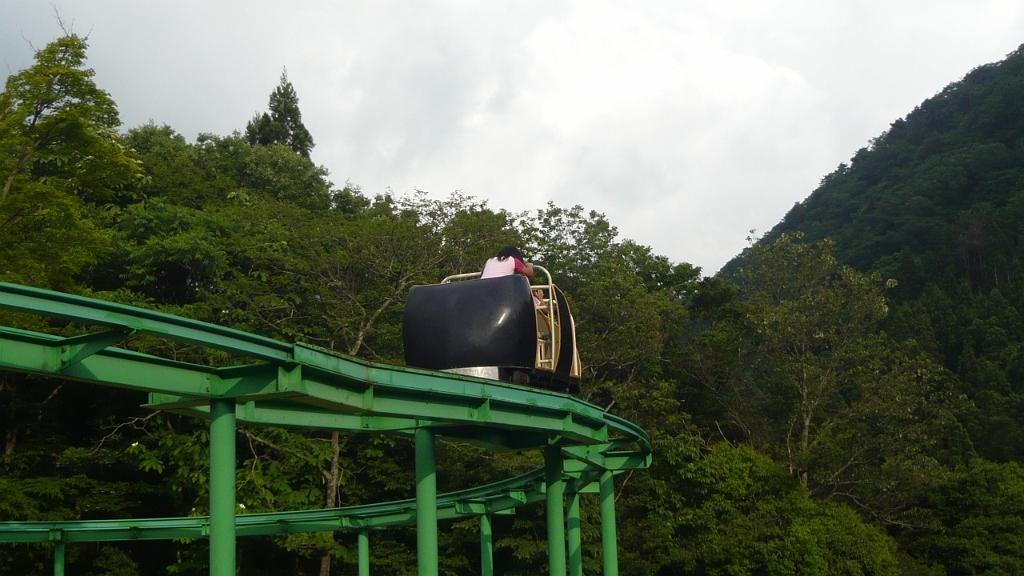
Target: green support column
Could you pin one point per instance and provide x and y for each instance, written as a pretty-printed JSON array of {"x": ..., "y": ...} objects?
[
  {"x": 575, "y": 540},
  {"x": 426, "y": 503},
  {"x": 555, "y": 509},
  {"x": 58, "y": 559},
  {"x": 486, "y": 546},
  {"x": 222, "y": 487},
  {"x": 364, "y": 553},
  {"x": 609, "y": 545}
]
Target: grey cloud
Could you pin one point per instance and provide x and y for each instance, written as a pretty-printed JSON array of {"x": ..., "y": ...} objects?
[{"x": 687, "y": 123}]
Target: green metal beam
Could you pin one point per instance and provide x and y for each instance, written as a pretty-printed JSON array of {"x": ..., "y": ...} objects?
[
  {"x": 486, "y": 546},
  {"x": 58, "y": 558},
  {"x": 572, "y": 514},
  {"x": 297, "y": 385},
  {"x": 426, "y": 504},
  {"x": 222, "y": 487},
  {"x": 611, "y": 461},
  {"x": 404, "y": 394},
  {"x": 517, "y": 429},
  {"x": 345, "y": 384},
  {"x": 555, "y": 482},
  {"x": 364, "y": 553},
  {"x": 281, "y": 412},
  {"x": 128, "y": 318},
  {"x": 410, "y": 393},
  {"x": 498, "y": 497},
  {"x": 36, "y": 353},
  {"x": 74, "y": 350},
  {"x": 609, "y": 544}
]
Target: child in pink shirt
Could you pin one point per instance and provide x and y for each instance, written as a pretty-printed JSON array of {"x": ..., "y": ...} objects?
[{"x": 509, "y": 261}]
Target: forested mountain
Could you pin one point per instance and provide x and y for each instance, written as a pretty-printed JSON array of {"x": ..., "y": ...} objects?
[
  {"x": 937, "y": 204},
  {"x": 807, "y": 416}
]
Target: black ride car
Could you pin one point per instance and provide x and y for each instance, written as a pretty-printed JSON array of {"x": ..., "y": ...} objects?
[{"x": 493, "y": 328}]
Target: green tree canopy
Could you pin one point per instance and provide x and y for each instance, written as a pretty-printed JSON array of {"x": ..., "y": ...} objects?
[
  {"x": 798, "y": 370},
  {"x": 283, "y": 123},
  {"x": 936, "y": 202},
  {"x": 799, "y": 427},
  {"x": 58, "y": 149}
]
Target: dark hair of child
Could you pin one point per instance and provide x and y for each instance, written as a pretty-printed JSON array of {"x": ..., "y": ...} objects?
[{"x": 512, "y": 251}]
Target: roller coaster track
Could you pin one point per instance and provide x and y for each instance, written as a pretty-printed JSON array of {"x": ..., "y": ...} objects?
[{"x": 302, "y": 386}]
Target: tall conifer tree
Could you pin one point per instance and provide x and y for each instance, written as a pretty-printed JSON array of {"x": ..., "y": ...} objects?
[{"x": 283, "y": 124}]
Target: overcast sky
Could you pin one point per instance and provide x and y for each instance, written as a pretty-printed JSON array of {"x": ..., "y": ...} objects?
[{"x": 687, "y": 123}]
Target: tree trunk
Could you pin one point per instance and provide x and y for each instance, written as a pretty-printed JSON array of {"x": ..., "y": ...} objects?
[
  {"x": 332, "y": 496},
  {"x": 14, "y": 174},
  {"x": 11, "y": 437}
]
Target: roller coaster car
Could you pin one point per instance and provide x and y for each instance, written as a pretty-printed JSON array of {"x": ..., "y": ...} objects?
[{"x": 493, "y": 328}]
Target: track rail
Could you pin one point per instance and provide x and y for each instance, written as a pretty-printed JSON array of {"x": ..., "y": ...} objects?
[{"x": 298, "y": 385}]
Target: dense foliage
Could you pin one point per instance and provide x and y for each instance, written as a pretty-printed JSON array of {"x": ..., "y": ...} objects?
[
  {"x": 283, "y": 123},
  {"x": 935, "y": 204},
  {"x": 807, "y": 416}
]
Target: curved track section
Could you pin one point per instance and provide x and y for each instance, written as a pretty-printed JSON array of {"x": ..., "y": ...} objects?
[
  {"x": 497, "y": 498},
  {"x": 297, "y": 385}
]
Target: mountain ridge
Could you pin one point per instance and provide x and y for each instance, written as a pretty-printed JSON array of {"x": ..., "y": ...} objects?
[{"x": 936, "y": 202}]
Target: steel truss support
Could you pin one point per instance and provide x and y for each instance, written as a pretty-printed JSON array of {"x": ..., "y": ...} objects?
[
  {"x": 58, "y": 559},
  {"x": 309, "y": 387},
  {"x": 486, "y": 546},
  {"x": 555, "y": 481},
  {"x": 609, "y": 546},
  {"x": 575, "y": 540},
  {"x": 364, "y": 553},
  {"x": 222, "y": 487},
  {"x": 426, "y": 503}
]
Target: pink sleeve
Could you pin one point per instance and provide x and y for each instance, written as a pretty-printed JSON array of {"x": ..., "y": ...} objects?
[{"x": 518, "y": 265}]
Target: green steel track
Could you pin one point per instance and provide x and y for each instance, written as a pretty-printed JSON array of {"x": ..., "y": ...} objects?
[{"x": 302, "y": 386}]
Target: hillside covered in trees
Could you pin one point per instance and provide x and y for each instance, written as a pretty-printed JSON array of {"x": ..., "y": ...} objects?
[
  {"x": 808, "y": 414},
  {"x": 937, "y": 204}
]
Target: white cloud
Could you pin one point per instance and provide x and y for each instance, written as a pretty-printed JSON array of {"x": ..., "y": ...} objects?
[{"x": 687, "y": 123}]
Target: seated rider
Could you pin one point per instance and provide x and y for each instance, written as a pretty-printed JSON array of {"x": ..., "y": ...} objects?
[{"x": 509, "y": 261}]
